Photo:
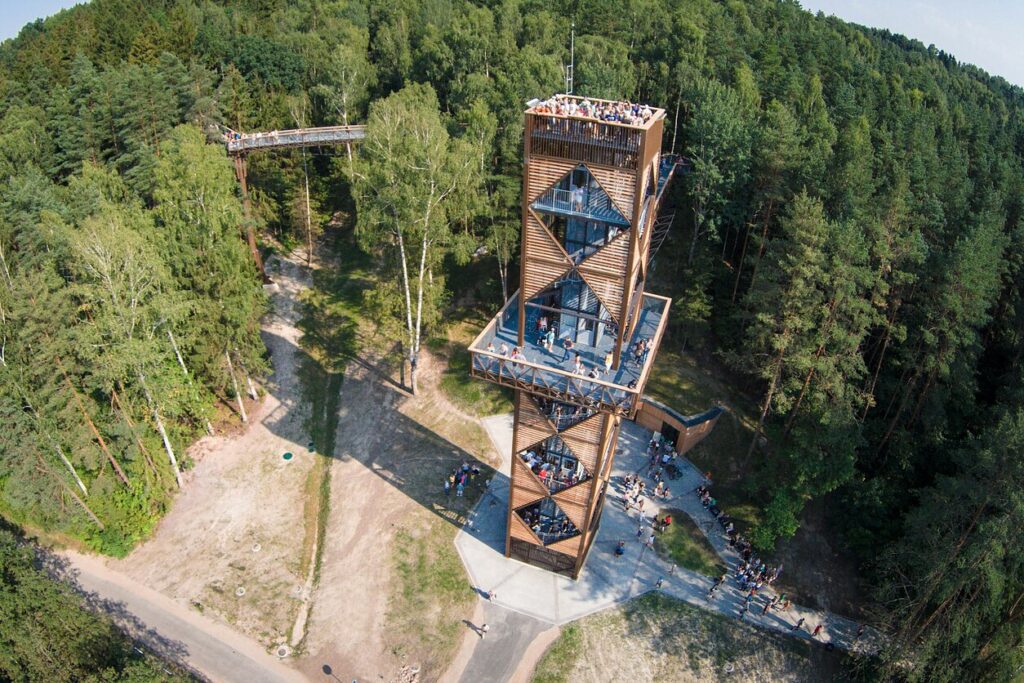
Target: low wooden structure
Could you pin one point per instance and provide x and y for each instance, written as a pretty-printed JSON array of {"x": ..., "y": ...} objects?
[
  {"x": 682, "y": 432},
  {"x": 578, "y": 340}
]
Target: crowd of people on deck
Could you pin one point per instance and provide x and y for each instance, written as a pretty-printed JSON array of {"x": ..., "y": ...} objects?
[
  {"x": 547, "y": 469},
  {"x": 617, "y": 112}
]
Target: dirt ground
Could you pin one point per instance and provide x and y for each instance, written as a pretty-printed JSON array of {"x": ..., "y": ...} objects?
[
  {"x": 237, "y": 544},
  {"x": 392, "y": 454},
  {"x": 231, "y": 545}
]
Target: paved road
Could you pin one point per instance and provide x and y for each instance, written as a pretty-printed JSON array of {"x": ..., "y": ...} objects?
[
  {"x": 497, "y": 655},
  {"x": 209, "y": 647}
]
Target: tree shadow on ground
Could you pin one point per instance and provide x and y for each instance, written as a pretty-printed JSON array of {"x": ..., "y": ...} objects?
[
  {"x": 408, "y": 455},
  {"x": 170, "y": 651}
]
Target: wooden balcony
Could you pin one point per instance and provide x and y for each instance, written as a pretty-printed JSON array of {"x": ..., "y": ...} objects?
[{"x": 550, "y": 374}]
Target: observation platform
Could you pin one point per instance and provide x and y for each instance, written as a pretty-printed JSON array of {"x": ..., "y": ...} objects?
[
  {"x": 241, "y": 143},
  {"x": 620, "y": 135},
  {"x": 550, "y": 373}
]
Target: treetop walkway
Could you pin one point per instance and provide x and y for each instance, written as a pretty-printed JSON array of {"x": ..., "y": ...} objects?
[{"x": 242, "y": 143}]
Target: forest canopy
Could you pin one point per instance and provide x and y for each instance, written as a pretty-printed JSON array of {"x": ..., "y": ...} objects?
[{"x": 849, "y": 244}]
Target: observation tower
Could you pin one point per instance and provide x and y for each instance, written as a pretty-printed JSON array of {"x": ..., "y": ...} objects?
[{"x": 577, "y": 341}]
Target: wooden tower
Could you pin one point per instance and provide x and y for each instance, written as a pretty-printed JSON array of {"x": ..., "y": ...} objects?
[{"x": 591, "y": 190}]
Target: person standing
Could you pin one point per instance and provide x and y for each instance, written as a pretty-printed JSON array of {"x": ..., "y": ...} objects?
[
  {"x": 817, "y": 630},
  {"x": 608, "y": 362},
  {"x": 483, "y": 631},
  {"x": 797, "y": 625}
]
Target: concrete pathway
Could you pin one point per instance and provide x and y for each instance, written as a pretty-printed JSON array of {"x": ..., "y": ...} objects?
[{"x": 608, "y": 580}]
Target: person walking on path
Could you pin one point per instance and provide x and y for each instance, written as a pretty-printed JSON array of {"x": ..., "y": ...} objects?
[
  {"x": 767, "y": 606},
  {"x": 491, "y": 596},
  {"x": 743, "y": 611},
  {"x": 797, "y": 625},
  {"x": 650, "y": 541},
  {"x": 640, "y": 531},
  {"x": 483, "y": 631},
  {"x": 659, "y": 583},
  {"x": 672, "y": 569},
  {"x": 817, "y": 630}
]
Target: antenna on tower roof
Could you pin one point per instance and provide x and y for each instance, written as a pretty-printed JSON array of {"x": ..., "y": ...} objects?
[{"x": 571, "y": 66}]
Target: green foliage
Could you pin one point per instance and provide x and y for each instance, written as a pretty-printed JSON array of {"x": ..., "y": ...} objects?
[
  {"x": 686, "y": 545},
  {"x": 46, "y": 632},
  {"x": 851, "y": 245}
]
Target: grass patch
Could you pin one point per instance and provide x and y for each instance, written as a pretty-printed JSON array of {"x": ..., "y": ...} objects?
[
  {"x": 469, "y": 394},
  {"x": 431, "y": 593},
  {"x": 686, "y": 545},
  {"x": 658, "y": 638},
  {"x": 558, "y": 661}
]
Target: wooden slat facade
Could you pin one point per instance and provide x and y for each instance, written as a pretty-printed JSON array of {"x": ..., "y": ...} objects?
[
  {"x": 532, "y": 426},
  {"x": 619, "y": 185},
  {"x": 624, "y": 162},
  {"x": 544, "y": 259},
  {"x": 517, "y": 529},
  {"x": 526, "y": 487},
  {"x": 570, "y": 546},
  {"x": 584, "y": 439},
  {"x": 545, "y": 173}
]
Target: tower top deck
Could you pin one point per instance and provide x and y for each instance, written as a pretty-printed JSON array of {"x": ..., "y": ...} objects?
[{"x": 618, "y": 113}]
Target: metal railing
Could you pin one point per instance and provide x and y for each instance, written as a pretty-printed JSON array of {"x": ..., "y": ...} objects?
[
  {"x": 554, "y": 382},
  {"x": 300, "y": 137},
  {"x": 581, "y": 202}
]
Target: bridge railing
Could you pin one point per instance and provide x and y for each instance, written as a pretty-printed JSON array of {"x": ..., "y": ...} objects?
[{"x": 298, "y": 137}]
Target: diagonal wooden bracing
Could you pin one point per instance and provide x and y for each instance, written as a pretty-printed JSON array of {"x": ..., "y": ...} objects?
[
  {"x": 545, "y": 173},
  {"x": 526, "y": 487},
  {"x": 619, "y": 185},
  {"x": 545, "y": 261},
  {"x": 533, "y": 426},
  {"x": 584, "y": 440}
]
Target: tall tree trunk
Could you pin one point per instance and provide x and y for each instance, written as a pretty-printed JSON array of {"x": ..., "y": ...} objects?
[
  {"x": 252, "y": 388},
  {"x": 92, "y": 426},
  {"x": 767, "y": 219},
  {"x": 878, "y": 369},
  {"x": 810, "y": 373},
  {"x": 764, "y": 409},
  {"x": 309, "y": 221},
  {"x": 71, "y": 468},
  {"x": 238, "y": 394},
  {"x": 71, "y": 492},
  {"x": 160, "y": 428},
  {"x": 760, "y": 253},
  {"x": 408, "y": 305},
  {"x": 937, "y": 579},
  {"x": 419, "y": 310},
  {"x": 899, "y": 412},
  {"x": 184, "y": 369},
  {"x": 177, "y": 353},
  {"x": 131, "y": 428}
]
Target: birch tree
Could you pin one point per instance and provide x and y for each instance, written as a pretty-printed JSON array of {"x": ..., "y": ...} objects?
[{"x": 409, "y": 172}]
